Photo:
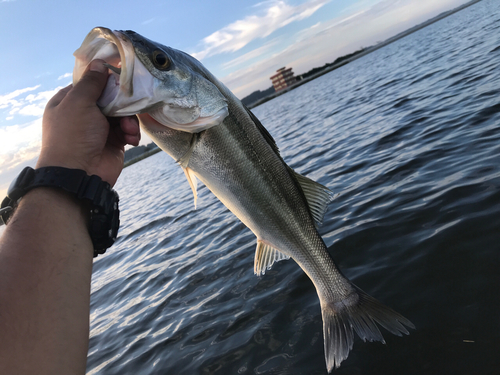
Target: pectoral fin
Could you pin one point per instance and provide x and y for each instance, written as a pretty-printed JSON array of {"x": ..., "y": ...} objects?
[
  {"x": 193, "y": 182},
  {"x": 183, "y": 161},
  {"x": 265, "y": 256}
]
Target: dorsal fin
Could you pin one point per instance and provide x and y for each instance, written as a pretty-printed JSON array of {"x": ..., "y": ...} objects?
[
  {"x": 317, "y": 196},
  {"x": 265, "y": 256},
  {"x": 267, "y": 136}
]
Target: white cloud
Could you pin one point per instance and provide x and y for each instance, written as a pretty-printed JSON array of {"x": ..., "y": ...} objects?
[
  {"x": 324, "y": 42},
  {"x": 7, "y": 99},
  {"x": 306, "y": 33},
  {"x": 19, "y": 147},
  {"x": 43, "y": 96},
  {"x": 30, "y": 105},
  {"x": 244, "y": 81},
  {"x": 238, "y": 34},
  {"x": 65, "y": 75},
  {"x": 31, "y": 110},
  {"x": 252, "y": 54},
  {"x": 19, "y": 143}
]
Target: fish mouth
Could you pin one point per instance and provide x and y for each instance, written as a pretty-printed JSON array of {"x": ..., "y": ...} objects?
[
  {"x": 184, "y": 100},
  {"x": 116, "y": 49}
]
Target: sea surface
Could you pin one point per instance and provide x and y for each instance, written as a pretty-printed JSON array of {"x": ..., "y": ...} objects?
[{"x": 408, "y": 137}]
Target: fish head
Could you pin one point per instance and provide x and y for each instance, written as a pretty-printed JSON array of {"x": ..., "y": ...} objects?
[{"x": 145, "y": 77}]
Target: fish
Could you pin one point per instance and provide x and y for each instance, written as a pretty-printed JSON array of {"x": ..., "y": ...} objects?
[{"x": 217, "y": 140}]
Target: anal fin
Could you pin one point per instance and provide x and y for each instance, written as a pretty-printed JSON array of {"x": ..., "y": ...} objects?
[{"x": 265, "y": 256}]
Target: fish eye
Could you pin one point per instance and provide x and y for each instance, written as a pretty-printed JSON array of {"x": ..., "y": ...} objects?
[{"x": 161, "y": 60}]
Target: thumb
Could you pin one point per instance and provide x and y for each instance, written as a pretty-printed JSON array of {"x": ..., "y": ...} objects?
[{"x": 89, "y": 88}]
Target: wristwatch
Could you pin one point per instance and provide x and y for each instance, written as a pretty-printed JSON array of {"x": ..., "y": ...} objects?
[{"x": 102, "y": 201}]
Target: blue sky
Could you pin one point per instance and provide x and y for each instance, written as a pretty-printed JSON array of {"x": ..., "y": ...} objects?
[{"x": 242, "y": 42}]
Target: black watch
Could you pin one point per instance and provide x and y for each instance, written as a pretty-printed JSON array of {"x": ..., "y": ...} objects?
[{"x": 102, "y": 200}]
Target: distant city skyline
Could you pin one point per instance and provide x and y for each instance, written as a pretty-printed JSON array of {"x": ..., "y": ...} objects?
[{"x": 243, "y": 43}]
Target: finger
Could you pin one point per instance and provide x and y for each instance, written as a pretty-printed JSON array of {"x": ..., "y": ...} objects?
[
  {"x": 132, "y": 131},
  {"x": 132, "y": 139},
  {"x": 58, "y": 97},
  {"x": 131, "y": 136},
  {"x": 130, "y": 125},
  {"x": 116, "y": 136},
  {"x": 89, "y": 88}
]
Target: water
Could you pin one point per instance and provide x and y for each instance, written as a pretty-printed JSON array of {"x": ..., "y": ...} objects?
[{"x": 409, "y": 136}]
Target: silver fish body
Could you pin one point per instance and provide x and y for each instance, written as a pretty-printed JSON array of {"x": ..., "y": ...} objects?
[{"x": 236, "y": 158}]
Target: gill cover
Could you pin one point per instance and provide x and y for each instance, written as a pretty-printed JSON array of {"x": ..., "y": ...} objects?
[{"x": 179, "y": 95}]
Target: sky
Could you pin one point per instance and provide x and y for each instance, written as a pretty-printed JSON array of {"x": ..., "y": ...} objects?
[{"x": 241, "y": 42}]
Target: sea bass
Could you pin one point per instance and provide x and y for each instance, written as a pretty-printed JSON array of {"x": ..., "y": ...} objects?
[{"x": 196, "y": 120}]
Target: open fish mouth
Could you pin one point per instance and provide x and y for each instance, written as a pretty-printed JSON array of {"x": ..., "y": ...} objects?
[
  {"x": 116, "y": 49},
  {"x": 146, "y": 77},
  {"x": 102, "y": 43}
]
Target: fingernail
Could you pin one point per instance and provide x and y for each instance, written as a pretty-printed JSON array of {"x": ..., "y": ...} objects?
[{"x": 97, "y": 66}]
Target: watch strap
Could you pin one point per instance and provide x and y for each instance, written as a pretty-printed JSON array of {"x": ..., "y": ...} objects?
[
  {"x": 102, "y": 200},
  {"x": 74, "y": 181}
]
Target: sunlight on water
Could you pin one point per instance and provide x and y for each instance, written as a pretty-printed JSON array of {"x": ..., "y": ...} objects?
[{"x": 408, "y": 138}]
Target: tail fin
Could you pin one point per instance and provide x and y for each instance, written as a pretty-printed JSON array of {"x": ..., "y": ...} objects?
[{"x": 361, "y": 312}]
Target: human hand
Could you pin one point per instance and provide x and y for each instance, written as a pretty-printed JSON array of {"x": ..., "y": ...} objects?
[{"x": 75, "y": 134}]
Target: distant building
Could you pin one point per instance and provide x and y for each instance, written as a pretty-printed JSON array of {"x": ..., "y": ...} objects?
[{"x": 283, "y": 79}]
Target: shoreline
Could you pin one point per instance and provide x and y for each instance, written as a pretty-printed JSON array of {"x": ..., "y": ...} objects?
[
  {"x": 142, "y": 156},
  {"x": 367, "y": 51}
]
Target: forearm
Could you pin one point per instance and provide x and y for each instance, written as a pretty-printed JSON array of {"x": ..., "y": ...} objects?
[
  {"x": 45, "y": 250},
  {"x": 45, "y": 271}
]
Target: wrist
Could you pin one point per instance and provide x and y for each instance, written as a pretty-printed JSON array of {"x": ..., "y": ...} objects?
[
  {"x": 55, "y": 160},
  {"x": 92, "y": 193},
  {"x": 107, "y": 165},
  {"x": 52, "y": 216},
  {"x": 56, "y": 203}
]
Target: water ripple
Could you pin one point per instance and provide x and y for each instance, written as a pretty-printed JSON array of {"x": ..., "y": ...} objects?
[{"x": 409, "y": 139}]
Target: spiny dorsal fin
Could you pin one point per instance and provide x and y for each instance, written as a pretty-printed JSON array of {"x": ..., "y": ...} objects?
[
  {"x": 267, "y": 136},
  {"x": 317, "y": 196},
  {"x": 193, "y": 182},
  {"x": 265, "y": 256}
]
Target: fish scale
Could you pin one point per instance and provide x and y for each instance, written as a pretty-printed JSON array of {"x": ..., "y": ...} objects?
[{"x": 196, "y": 120}]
